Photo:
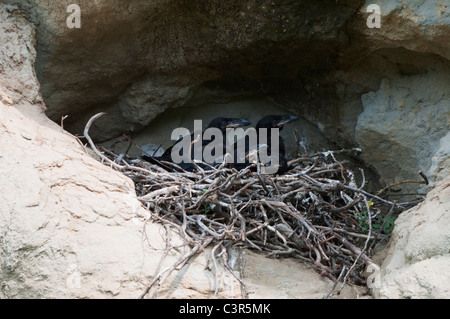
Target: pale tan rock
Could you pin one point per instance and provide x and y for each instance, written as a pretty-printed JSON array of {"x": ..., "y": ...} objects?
[
  {"x": 402, "y": 124},
  {"x": 301, "y": 283},
  {"x": 420, "y": 26},
  {"x": 418, "y": 256},
  {"x": 71, "y": 227}
]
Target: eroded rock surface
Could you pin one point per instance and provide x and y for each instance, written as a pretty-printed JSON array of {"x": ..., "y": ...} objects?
[
  {"x": 67, "y": 219},
  {"x": 71, "y": 227},
  {"x": 419, "y": 251}
]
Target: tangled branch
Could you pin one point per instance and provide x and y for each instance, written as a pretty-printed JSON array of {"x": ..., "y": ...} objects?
[{"x": 316, "y": 212}]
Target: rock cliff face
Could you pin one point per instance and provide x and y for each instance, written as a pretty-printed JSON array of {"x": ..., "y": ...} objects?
[
  {"x": 418, "y": 253},
  {"x": 122, "y": 48},
  {"x": 70, "y": 227},
  {"x": 384, "y": 90}
]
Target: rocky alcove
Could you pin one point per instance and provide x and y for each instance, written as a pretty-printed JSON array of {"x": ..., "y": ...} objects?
[{"x": 154, "y": 66}]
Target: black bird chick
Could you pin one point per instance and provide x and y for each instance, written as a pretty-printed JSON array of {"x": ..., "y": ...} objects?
[
  {"x": 269, "y": 122},
  {"x": 222, "y": 123}
]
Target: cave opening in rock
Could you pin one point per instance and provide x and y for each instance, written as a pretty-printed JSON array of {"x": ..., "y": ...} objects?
[
  {"x": 235, "y": 97},
  {"x": 350, "y": 86},
  {"x": 308, "y": 60},
  {"x": 372, "y": 104},
  {"x": 153, "y": 66}
]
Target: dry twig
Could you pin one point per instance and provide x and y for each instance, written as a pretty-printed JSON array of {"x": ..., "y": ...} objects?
[{"x": 313, "y": 212}]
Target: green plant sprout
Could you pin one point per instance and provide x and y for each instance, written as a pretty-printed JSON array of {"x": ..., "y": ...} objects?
[{"x": 382, "y": 221}]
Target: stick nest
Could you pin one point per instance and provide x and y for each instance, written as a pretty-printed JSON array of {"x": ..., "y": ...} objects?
[{"x": 315, "y": 212}]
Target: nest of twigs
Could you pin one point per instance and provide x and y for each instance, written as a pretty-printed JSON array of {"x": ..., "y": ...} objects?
[{"x": 315, "y": 212}]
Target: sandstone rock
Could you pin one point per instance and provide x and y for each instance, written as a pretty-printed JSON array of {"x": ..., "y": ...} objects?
[
  {"x": 13, "y": 56},
  {"x": 302, "y": 284},
  {"x": 180, "y": 43},
  {"x": 403, "y": 122},
  {"x": 71, "y": 227},
  {"x": 416, "y": 100},
  {"x": 440, "y": 166},
  {"x": 140, "y": 104},
  {"x": 395, "y": 106},
  {"x": 68, "y": 221},
  {"x": 419, "y": 251},
  {"x": 417, "y": 25}
]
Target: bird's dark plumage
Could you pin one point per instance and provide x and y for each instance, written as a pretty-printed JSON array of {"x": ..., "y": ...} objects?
[
  {"x": 270, "y": 122},
  {"x": 277, "y": 121},
  {"x": 222, "y": 123}
]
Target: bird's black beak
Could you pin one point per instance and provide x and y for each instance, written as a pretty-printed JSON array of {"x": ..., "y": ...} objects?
[
  {"x": 285, "y": 120},
  {"x": 235, "y": 123}
]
